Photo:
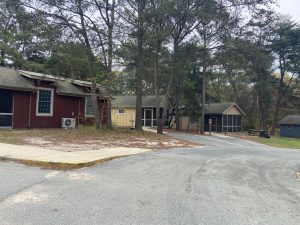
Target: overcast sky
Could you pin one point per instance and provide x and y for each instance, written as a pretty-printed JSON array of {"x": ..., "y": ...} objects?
[{"x": 291, "y": 7}]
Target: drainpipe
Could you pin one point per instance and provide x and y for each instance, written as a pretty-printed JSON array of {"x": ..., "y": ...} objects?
[
  {"x": 29, "y": 114},
  {"x": 79, "y": 112}
]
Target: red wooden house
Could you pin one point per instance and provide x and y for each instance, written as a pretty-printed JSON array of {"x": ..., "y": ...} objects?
[{"x": 34, "y": 100}]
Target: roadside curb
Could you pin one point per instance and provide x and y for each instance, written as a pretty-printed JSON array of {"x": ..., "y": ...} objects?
[{"x": 58, "y": 165}]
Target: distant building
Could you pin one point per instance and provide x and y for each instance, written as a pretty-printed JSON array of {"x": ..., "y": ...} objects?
[
  {"x": 124, "y": 110},
  {"x": 290, "y": 126},
  {"x": 225, "y": 117}
]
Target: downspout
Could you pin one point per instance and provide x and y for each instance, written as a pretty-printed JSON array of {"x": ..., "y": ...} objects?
[
  {"x": 222, "y": 125},
  {"x": 29, "y": 114},
  {"x": 79, "y": 112}
]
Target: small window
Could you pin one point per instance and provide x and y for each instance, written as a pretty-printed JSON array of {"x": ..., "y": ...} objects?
[
  {"x": 89, "y": 108},
  {"x": 45, "y": 102},
  {"x": 122, "y": 111}
]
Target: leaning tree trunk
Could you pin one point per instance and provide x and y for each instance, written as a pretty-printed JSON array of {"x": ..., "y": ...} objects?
[
  {"x": 96, "y": 105},
  {"x": 280, "y": 95},
  {"x": 170, "y": 83},
  {"x": 90, "y": 59}
]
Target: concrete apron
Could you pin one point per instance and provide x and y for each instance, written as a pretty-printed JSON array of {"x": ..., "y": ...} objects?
[{"x": 52, "y": 159}]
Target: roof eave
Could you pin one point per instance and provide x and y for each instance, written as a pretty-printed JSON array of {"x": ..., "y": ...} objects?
[
  {"x": 83, "y": 83},
  {"x": 44, "y": 78},
  {"x": 72, "y": 95},
  {"x": 234, "y": 104},
  {"x": 17, "y": 88}
]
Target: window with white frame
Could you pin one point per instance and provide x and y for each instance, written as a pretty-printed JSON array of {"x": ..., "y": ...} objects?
[
  {"x": 89, "y": 108},
  {"x": 121, "y": 111},
  {"x": 44, "y": 102}
]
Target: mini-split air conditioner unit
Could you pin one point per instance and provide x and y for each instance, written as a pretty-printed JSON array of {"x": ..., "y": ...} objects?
[{"x": 68, "y": 123}]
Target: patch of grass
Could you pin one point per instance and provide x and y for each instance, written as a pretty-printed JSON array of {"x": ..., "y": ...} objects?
[
  {"x": 281, "y": 142},
  {"x": 17, "y": 136},
  {"x": 276, "y": 141},
  {"x": 9, "y": 137}
]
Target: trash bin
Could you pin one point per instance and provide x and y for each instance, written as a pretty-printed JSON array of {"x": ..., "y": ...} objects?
[{"x": 264, "y": 134}]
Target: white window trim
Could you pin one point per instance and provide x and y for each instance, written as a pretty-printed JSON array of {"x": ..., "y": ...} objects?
[
  {"x": 37, "y": 102},
  {"x": 123, "y": 112},
  {"x": 12, "y": 120},
  {"x": 6, "y": 114},
  {"x": 85, "y": 103}
]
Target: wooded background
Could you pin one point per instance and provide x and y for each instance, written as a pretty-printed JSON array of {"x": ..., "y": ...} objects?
[{"x": 246, "y": 52}]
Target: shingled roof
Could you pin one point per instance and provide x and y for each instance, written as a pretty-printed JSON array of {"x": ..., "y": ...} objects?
[
  {"x": 67, "y": 88},
  {"x": 290, "y": 120},
  {"x": 130, "y": 101},
  {"x": 22, "y": 80},
  {"x": 150, "y": 101},
  {"x": 11, "y": 79},
  {"x": 221, "y": 108}
]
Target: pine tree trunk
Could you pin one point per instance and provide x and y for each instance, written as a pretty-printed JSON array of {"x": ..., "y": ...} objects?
[
  {"x": 188, "y": 125},
  {"x": 2, "y": 60},
  {"x": 140, "y": 65},
  {"x": 280, "y": 94},
  {"x": 110, "y": 58},
  {"x": 108, "y": 114},
  {"x": 170, "y": 83},
  {"x": 203, "y": 102},
  {"x": 90, "y": 59},
  {"x": 159, "y": 124},
  {"x": 177, "y": 115},
  {"x": 96, "y": 105},
  {"x": 233, "y": 85}
]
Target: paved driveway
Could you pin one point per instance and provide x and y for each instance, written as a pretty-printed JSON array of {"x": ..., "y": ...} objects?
[{"x": 227, "y": 182}]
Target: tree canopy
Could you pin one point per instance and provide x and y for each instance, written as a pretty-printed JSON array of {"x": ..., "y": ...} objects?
[{"x": 192, "y": 51}]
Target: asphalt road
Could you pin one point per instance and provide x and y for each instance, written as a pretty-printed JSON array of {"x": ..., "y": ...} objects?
[{"x": 229, "y": 181}]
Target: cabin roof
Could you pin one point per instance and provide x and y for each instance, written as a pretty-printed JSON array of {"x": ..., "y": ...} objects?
[
  {"x": 290, "y": 120},
  {"x": 150, "y": 101},
  {"x": 130, "y": 101},
  {"x": 221, "y": 108},
  {"x": 22, "y": 80},
  {"x": 11, "y": 79}
]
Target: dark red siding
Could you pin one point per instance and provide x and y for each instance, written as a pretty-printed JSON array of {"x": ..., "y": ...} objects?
[
  {"x": 63, "y": 107},
  {"x": 21, "y": 103},
  {"x": 25, "y": 116}
]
